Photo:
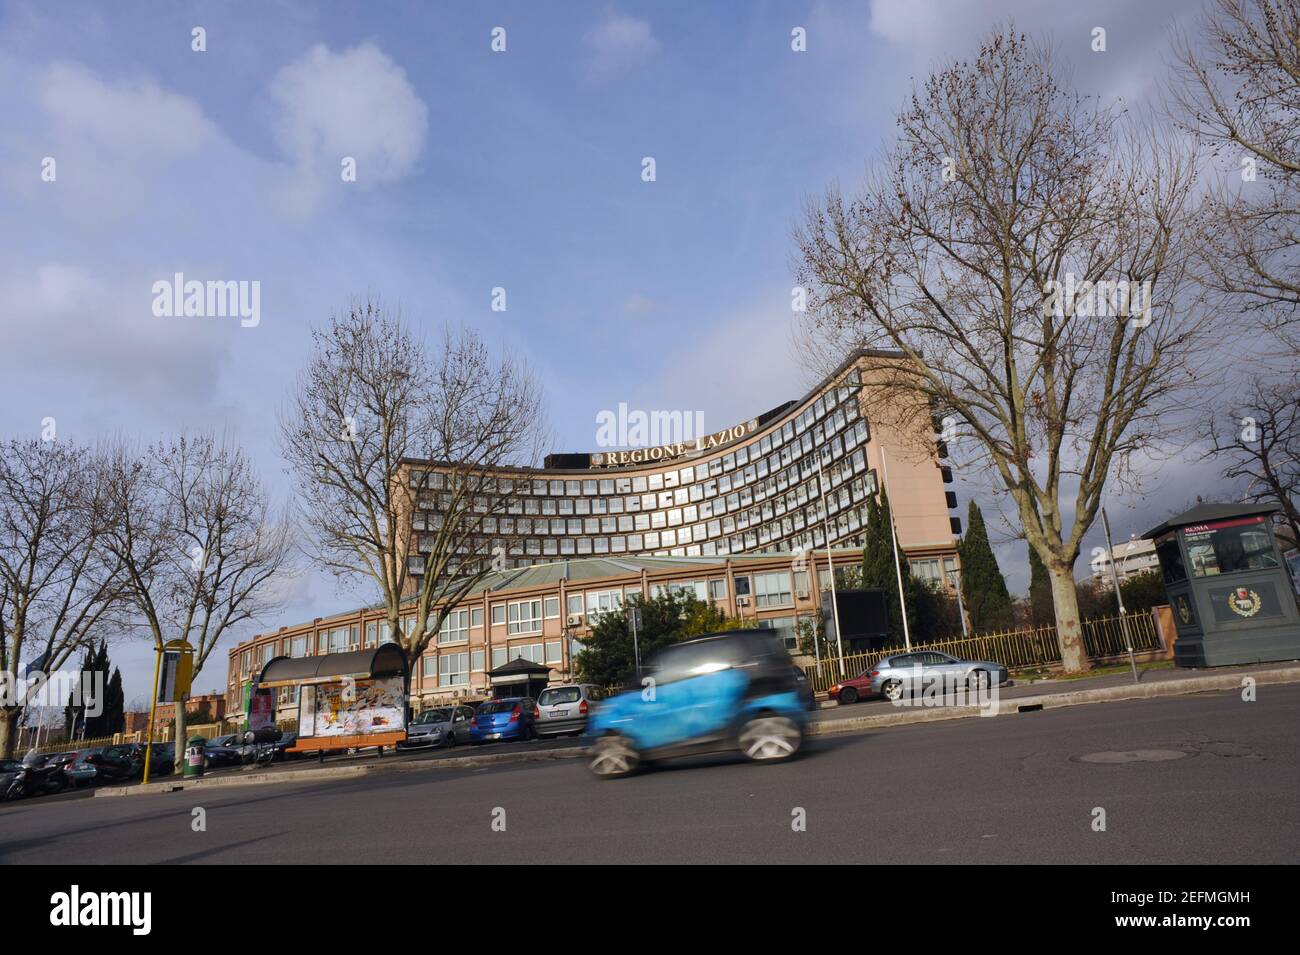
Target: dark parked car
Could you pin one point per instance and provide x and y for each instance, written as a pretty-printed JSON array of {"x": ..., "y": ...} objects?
[
  {"x": 161, "y": 763},
  {"x": 226, "y": 750},
  {"x": 105, "y": 764}
]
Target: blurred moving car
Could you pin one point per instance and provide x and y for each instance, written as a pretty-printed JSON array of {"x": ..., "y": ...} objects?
[
  {"x": 805, "y": 689},
  {"x": 709, "y": 694},
  {"x": 565, "y": 709},
  {"x": 440, "y": 726},
  {"x": 904, "y": 674},
  {"x": 510, "y": 718}
]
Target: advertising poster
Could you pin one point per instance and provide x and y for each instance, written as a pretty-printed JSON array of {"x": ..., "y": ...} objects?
[
  {"x": 307, "y": 711},
  {"x": 261, "y": 711},
  {"x": 360, "y": 707}
]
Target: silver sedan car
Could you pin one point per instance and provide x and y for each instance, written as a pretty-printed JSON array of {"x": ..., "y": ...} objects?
[
  {"x": 440, "y": 726},
  {"x": 906, "y": 674}
]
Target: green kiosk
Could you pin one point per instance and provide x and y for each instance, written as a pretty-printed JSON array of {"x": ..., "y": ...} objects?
[{"x": 1231, "y": 594}]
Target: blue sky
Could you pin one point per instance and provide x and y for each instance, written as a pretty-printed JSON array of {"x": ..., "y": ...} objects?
[{"x": 475, "y": 170}]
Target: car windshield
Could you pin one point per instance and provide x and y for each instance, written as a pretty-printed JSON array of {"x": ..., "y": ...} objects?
[
  {"x": 561, "y": 694},
  {"x": 432, "y": 716}
]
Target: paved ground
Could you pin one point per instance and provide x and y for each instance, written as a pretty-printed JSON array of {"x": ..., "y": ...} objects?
[{"x": 1012, "y": 789}]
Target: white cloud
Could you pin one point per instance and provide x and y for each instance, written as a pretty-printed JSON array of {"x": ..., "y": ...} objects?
[
  {"x": 619, "y": 42},
  {"x": 138, "y": 117},
  {"x": 356, "y": 103}
]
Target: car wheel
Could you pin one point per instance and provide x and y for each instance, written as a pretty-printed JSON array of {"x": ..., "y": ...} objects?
[
  {"x": 848, "y": 695},
  {"x": 893, "y": 690},
  {"x": 613, "y": 756},
  {"x": 770, "y": 738}
]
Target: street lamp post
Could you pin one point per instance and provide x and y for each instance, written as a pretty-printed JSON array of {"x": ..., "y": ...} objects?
[{"x": 1119, "y": 598}]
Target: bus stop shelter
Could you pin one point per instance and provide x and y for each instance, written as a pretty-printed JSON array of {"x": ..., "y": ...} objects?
[
  {"x": 1229, "y": 588},
  {"x": 345, "y": 700}
]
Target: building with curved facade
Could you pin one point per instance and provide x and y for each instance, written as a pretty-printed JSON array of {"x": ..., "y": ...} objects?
[{"x": 748, "y": 488}]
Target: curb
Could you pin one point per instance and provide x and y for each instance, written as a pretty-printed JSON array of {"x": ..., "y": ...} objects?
[
  {"x": 1109, "y": 694},
  {"x": 339, "y": 772},
  {"x": 902, "y": 716}
]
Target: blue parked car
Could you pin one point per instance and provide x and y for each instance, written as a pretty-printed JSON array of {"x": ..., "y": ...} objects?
[
  {"x": 714, "y": 693},
  {"x": 514, "y": 717}
]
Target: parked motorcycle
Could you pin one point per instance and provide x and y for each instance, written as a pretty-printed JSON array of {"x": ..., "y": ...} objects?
[{"x": 36, "y": 778}]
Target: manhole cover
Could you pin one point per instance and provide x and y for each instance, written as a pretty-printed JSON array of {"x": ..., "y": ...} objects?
[{"x": 1134, "y": 756}]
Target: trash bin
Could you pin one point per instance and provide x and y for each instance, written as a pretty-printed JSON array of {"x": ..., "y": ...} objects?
[{"x": 194, "y": 756}]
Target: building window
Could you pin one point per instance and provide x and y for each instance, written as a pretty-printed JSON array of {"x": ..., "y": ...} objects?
[
  {"x": 499, "y": 657},
  {"x": 524, "y": 617},
  {"x": 453, "y": 669},
  {"x": 574, "y": 602},
  {"x": 430, "y": 667},
  {"x": 498, "y": 614},
  {"x": 602, "y": 601},
  {"x": 772, "y": 590},
  {"x": 552, "y": 607},
  {"x": 455, "y": 628},
  {"x": 476, "y": 658},
  {"x": 476, "y": 617},
  {"x": 553, "y": 653},
  {"x": 532, "y": 652}
]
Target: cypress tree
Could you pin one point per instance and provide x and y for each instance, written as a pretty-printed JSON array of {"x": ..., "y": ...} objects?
[
  {"x": 114, "y": 705},
  {"x": 983, "y": 588},
  {"x": 1042, "y": 612}
]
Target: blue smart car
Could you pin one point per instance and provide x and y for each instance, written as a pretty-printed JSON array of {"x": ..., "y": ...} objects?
[{"x": 713, "y": 693}]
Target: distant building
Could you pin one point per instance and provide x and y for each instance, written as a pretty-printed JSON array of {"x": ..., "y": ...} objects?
[{"x": 1132, "y": 557}]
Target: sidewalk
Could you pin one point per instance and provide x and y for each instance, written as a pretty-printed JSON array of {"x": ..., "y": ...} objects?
[{"x": 1041, "y": 694}]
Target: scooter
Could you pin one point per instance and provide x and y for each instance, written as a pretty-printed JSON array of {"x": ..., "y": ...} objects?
[{"x": 36, "y": 780}]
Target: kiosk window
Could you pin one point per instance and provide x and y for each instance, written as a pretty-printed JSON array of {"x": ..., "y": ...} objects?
[{"x": 1228, "y": 550}]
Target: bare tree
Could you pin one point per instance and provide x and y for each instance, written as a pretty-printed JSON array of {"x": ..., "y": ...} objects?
[
  {"x": 378, "y": 429},
  {"x": 58, "y": 592},
  {"x": 1238, "y": 93},
  {"x": 1027, "y": 256},
  {"x": 1260, "y": 447},
  {"x": 202, "y": 550}
]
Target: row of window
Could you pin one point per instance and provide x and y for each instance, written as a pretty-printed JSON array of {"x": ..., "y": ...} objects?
[
  {"x": 843, "y": 456},
  {"x": 821, "y": 419}
]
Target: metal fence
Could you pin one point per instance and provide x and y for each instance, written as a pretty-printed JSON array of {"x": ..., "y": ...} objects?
[{"x": 1015, "y": 649}]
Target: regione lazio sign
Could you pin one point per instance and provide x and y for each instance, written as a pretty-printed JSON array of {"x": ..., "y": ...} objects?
[{"x": 678, "y": 449}]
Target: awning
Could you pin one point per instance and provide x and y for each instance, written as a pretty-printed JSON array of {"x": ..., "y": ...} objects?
[{"x": 387, "y": 659}]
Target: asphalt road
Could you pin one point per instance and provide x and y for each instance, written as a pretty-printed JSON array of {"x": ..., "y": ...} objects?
[{"x": 1218, "y": 785}]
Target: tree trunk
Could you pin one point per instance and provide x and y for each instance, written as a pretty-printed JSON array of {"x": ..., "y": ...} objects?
[
  {"x": 8, "y": 731},
  {"x": 1069, "y": 633},
  {"x": 179, "y": 726}
]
